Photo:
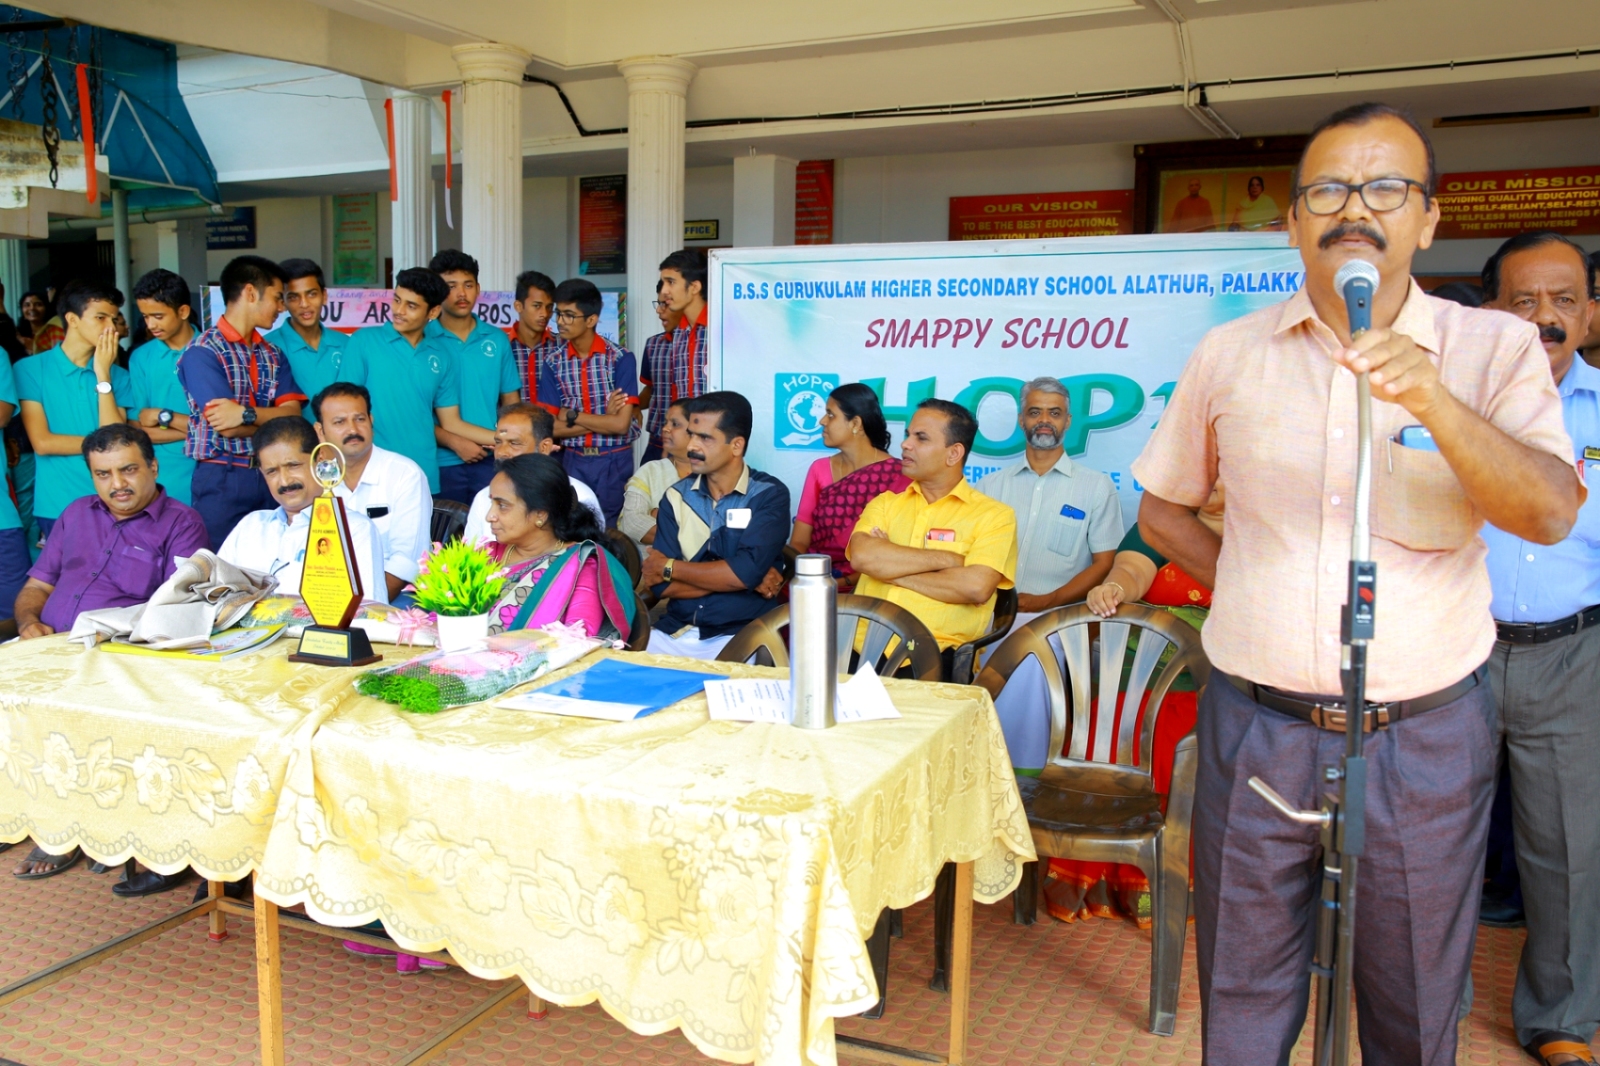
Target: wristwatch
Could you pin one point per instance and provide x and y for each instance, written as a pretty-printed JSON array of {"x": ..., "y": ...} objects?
[
  {"x": 103, "y": 387},
  {"x": 249, "y": 416},
  {"x": 164, "y": 419},
  {"x": 572, "y": 417},
  {"x": 666, "y": 571}
]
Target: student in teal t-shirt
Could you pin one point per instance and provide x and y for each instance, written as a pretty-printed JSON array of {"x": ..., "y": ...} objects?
[
  {"x": 15, "y": 558},
  {"x": 485, "y": 370},
  {"x": 412, "y": 378},
  {"x": 69, "y": 392},
  {"x": 318, "y": 356},
  {"x": 156, "y": 400}
]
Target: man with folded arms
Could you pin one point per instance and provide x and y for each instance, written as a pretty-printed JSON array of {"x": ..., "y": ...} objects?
[
  {"x": 1271, "y": 399},
  {"x": 720, "y": 534},
  {"x": 939, "y": 548},
  {"x": 274, "y": 542},
  {"x": 1545, "y": 672},
  {"x": 111, "y": 549},
  {"x": 385, "y": 486}
]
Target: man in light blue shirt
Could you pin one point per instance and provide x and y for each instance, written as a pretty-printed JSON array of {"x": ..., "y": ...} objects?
[
  {"x": 1069, "y": 524},
  {"x": 317, "y": 355},
  {"x": 1545, "y": 670},
  {"x": 486, "y": 376}
]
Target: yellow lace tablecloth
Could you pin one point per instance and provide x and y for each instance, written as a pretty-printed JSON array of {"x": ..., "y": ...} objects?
[
  {"x": 718, "y": 877},
  {"x": 172, "y": 762}
]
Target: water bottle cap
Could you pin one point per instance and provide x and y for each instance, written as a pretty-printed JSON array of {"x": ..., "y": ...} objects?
[{"x": 813, "y": 566}]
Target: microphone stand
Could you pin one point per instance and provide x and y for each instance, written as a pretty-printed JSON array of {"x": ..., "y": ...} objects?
[{"x": 1342, "y": 817}]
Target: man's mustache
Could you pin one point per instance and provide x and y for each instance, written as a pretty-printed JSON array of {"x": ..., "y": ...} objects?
[
  {"x": 353, "y": 438},
  {"x": 694, "y": 456},
  {"x": 1553, "y": 333},
  {"x": 1352, "y": 229},
  {"x": 284, "y": 490}
]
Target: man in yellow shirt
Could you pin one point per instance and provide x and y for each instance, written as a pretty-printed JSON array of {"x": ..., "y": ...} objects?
[{"x": 941, "y": 548}]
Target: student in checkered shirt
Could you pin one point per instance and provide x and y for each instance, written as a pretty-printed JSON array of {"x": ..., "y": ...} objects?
[
  {"x": 236, "y": 381},
  {"x": 655, "y": 364},
  {"x": 680, "y": 373},
  {"x": 591, "y": 386},
  {"x": 535, "y": 303}
]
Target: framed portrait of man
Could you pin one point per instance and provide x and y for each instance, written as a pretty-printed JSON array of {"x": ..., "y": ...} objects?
[{"x": 1215, "y": 186}]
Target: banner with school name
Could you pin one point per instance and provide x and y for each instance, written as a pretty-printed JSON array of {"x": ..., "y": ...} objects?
[
  {"x": 1114, "y": 317},
  {"x": 348, "y": 310}
]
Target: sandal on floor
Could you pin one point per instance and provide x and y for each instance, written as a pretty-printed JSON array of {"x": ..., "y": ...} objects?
[
  {"x": 1546, "y": 1044},
  {"x": 58, "y": 863}
]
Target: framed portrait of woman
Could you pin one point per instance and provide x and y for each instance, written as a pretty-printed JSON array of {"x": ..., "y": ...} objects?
[{"x": 1215, "y": 186}]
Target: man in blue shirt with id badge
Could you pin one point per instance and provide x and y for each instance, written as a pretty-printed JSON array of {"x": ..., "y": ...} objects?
[
  {"x": 1069, "y": 524},
  {"x": 1545, "y": 670}
]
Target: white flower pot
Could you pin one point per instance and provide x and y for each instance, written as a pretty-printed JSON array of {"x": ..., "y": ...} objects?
[{"x": 459, "y": 634}]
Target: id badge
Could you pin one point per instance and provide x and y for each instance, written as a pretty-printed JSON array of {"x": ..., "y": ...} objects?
[
  {"x": 738, "y": 518},
  {"x": 942, "y": 536},
  {"x": 1069, "y": 511}
]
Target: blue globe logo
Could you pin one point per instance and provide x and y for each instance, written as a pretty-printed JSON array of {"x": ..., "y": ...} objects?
[{"x": 805, "y": 411}]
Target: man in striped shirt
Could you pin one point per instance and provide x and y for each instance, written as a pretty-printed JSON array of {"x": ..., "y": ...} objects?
[
  {"x": 591, "y": 385},
  {"x": 236, "y": 381}
]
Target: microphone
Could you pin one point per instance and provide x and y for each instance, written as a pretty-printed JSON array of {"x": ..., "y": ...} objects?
[{"x": 1356, "y": 281}]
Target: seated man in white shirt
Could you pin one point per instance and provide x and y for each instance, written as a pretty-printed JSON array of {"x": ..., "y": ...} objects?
[
  {"x": 387, "y": 487},
  {"x": 274, "y": 542},
  {"x": 521, "y": 429}
]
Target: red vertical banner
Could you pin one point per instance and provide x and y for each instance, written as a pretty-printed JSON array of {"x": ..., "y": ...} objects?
[
  {"x": 394, "y": 174},
  {"x": 86, "y": 120},
  {"x": 813, "y": 202}
]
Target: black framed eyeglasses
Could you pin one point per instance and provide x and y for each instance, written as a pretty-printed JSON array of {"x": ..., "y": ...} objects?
[
  {"x": 570, "y": 316},
  {"x": 1379, "y": 194}
]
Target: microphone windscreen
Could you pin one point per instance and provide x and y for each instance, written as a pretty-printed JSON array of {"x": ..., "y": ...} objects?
[{"x": 1355, "y": 268}]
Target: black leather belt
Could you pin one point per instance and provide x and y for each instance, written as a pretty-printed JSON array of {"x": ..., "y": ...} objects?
[
  {"x": 1329, "y": 713},
  {"x": 1539, "y": 632}
]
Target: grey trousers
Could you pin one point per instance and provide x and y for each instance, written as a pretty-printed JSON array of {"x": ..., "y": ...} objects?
[
  {"x": 1257, "y": 877},
  {"x": 1549, "y": 697}
]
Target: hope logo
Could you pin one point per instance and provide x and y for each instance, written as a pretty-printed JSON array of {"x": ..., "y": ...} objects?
[
  {"x": 798, "y": 404},
  {"x": 488, "y": 349}
]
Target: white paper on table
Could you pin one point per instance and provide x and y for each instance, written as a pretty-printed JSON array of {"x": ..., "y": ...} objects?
[
  {"x": 863, "y": 699},
  {"x": 749, "y": 699},
  {"x": 574, "y": 708}
]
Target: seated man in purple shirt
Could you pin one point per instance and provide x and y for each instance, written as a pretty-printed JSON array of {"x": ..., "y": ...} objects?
[{"x": 112, "y": 549}]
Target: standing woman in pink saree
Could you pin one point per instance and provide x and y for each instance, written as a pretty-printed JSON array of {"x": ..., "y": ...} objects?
[{"x": 839, "y": 486}]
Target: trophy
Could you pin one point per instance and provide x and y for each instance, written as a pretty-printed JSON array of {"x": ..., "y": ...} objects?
[{"x": 329, "y": 581}]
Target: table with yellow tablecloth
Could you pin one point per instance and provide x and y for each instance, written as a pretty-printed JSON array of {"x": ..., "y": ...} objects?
[
  {"x": 712, "y": 876},
  {"x": 173, "y": 762}
]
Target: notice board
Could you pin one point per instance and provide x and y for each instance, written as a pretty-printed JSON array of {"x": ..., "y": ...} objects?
[
  {"x": 1503, "y": 203},
  {"x": 1045, "y": 214},
  {"x": 603, "y": 224}
]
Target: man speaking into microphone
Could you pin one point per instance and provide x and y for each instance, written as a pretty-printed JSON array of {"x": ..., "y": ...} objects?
[{"x": 1466, "y": 428}]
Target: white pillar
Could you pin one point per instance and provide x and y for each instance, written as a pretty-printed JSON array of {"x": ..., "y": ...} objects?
[
  {"x": 658, "y": 88},
  {"x": 181, "y": 248},
  {"x": 411, "y": 214},
  {"x": 763, "y": 201},
  {"x": 491, "y": 159}
]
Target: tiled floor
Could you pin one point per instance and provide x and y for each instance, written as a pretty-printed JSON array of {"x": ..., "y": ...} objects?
[{"x": 1051, "y": 993}]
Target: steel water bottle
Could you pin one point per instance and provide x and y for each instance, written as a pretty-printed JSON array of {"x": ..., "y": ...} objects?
[{"x": 813, "y": 648}]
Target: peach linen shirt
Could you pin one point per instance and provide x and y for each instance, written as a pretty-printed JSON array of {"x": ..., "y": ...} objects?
[{"x": 1262, "y": 405}]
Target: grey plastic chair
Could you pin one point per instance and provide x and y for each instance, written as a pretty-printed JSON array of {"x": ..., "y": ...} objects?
[
  {"x": 893, "y": 640},
  {"x": 1097, "y": 806}
]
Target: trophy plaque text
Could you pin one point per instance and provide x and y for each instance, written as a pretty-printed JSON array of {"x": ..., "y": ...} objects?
[{"x": 330, "y": 583}]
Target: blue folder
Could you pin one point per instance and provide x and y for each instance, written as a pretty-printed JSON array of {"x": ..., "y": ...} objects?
[{"x": 615, "y": 681}]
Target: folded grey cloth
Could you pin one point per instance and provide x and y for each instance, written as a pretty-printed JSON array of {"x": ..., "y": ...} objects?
[{"x": 204, "y": 595}]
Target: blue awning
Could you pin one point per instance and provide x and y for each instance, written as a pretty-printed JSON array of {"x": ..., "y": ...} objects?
[{"x": 141, "y": 123}]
